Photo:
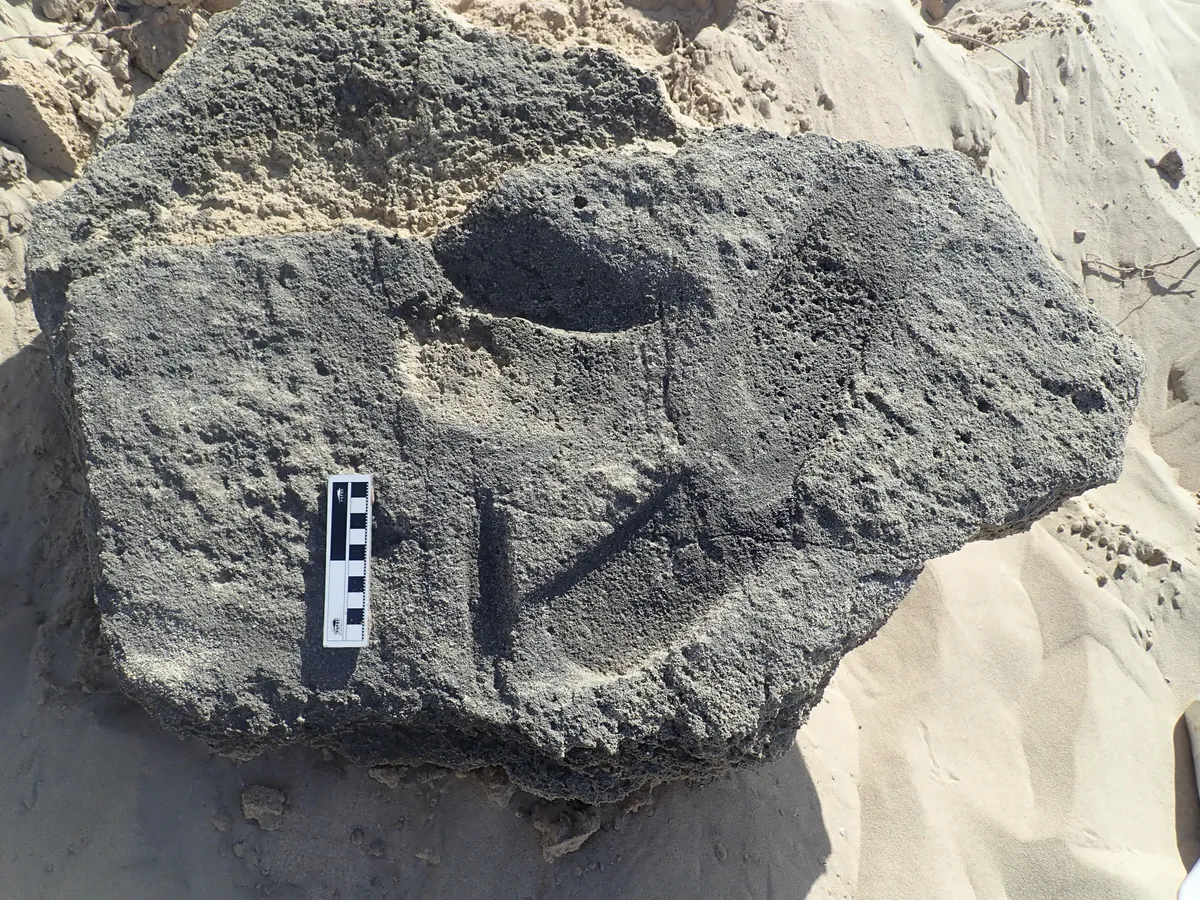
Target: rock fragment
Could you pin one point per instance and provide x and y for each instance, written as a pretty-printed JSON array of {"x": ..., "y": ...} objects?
[
  {"x": 36, "y": 117},
  {"x": 56, "y": 10},
  {"x": 1170, "y": 167},
  {"x": 12, "y": 165},
  {"x": 264, "y": 805},
  {"x": 158, "y": 36},
  {"x": 388, "y": 776},
  {"x": 497, "y": 786},
  {"x": 936, "y": 10},
  {"x": 564, "y": 826}
]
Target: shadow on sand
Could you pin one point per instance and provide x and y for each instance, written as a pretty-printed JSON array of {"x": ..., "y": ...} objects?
[
  {"x": 1187, "y": 801},
  {"x": 755, "y": 833},
  {"x": 691, "y": 16}
]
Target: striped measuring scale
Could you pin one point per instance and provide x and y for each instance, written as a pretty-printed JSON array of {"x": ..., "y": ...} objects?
[{"x": 348, "y": 561}]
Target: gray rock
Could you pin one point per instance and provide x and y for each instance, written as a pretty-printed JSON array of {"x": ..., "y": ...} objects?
[
  {"x": 657, "y": 438},
  {"x": 159, "y": 36},
  {"x": 1171, "y": 167}
]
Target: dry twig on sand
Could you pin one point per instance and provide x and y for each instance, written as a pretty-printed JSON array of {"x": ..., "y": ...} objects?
[
  {"x": 67, "y": 34},
  {"x": 981, "y": 43},
  {"x": 1144, "y": 273}
]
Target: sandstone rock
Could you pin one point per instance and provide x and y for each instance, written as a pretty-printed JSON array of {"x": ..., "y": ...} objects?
[
  {"x": 36, "y": 117},
  {"x": 12, "y": 166},
  {"x": 56, "y": 10},
  {"x": 657, "y": 438}
]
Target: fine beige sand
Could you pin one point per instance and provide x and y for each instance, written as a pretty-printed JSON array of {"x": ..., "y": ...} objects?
[{"x": 1015, "y": 731}]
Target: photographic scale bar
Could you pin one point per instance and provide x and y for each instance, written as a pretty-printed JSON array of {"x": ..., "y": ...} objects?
[{"x": 348, "y": 561}]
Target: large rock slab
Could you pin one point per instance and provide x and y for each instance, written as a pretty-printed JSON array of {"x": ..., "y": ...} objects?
[{"x": 658, "y": 437}]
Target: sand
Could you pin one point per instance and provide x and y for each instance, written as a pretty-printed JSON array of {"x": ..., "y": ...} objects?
[{"x": 1014, "y": 731}]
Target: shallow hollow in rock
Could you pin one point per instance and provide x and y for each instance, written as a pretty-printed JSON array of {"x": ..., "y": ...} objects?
[{"x": 657, "y": 438}]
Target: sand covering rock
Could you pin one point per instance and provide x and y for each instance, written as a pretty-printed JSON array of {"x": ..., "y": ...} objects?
[
  {"x": 374, "y": 125},
  {"x": 658, "y": 439}
]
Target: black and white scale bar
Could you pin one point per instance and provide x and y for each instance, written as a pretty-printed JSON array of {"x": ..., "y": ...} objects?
[{"x": 348, "y": 561}]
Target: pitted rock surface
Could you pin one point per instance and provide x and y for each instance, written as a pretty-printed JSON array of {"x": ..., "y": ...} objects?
[{"x": 657, "y": 438}]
